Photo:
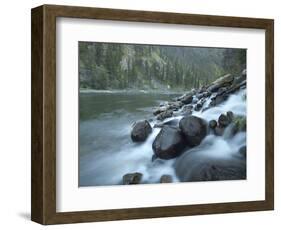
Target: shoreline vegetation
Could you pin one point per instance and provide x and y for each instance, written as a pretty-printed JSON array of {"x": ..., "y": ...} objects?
[{"x": 113, "y": 66}]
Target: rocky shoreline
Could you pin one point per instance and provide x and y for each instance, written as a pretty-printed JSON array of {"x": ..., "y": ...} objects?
[{"x": 182, "y": 130}]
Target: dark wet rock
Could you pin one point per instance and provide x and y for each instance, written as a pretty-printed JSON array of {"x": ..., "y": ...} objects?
[
  {"x": 221, "y": 98},
  {"x": 198, "y": 107},
  {"x": 230, "y": 116},
  {"x": 223, "y": 120},
  {"x": 169, "y": 143},
  {"x": 200, "y": 95},
  {"x": 164, "y": 115},
  {"x": 236, "y": 87},
  {"x": 140, "y": 131},
  {"x": 213, "y": 172},
  {"x": 187, "y": 110},
  {"x": 213, "y": 124},
  {"x": 221, "y": 91},
  {"x": 166, "y": 179},
  {"x": 218, "y": 100},
  {"x": 212, "y": 103},
  {"x": 175, "y": 105},
  {"x": 209, "y": 169},
  {"x": 187, "y": 107},
  {"x": 223, "y": 81},
  {"x": 207, "y": 94},
  {"x": 187, "y": 99},
  {"x": 160, "y": 109},
  {"x": 219, "y": 131},
  {"x": 132, "y": 178},
  {"x": 194, "y": 129},
  {"x": 243, "y": 87},
  {"x": 243, "y": 151}
]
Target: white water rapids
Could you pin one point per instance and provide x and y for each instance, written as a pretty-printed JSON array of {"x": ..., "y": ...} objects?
[{"x": 109, "y": 167}]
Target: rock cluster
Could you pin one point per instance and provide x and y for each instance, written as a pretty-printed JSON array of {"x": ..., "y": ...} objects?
[{"x": 177, "y": 135}]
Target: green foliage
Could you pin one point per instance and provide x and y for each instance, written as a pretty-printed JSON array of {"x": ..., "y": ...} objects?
[
  {"x": 123, "y": 66},
  {"x": 234, "y": 60},
  {"x": 240, "y": 123}
]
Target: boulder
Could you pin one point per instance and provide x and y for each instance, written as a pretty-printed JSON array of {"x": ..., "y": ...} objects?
[
  {"x": 213, "y": 124},
  {"x": 166, "y": 114},
  {"x": 218, "y": 171},
  {"x": 140, "y": 131},
  {"x": 193, "y": 166},
  {"x": 132, "y": 178},
  {"x": 160, "y": 109},
  {"x": 230, "y": 116},
  {"x": 187, "y": 99},
  {"x": 175, "y": 105},
  {"x": 200, "y": 95},
  {"x": 194, "y": 129},
  {"x": 169, "y": 143},
  {"x": 236, "y": 87},
  {"x": 198, "y": 106},
  {"x": 223, "y": 120},
  {"x": 166, "y": 179}
]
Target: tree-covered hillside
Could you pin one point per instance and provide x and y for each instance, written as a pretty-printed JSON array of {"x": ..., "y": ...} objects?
[{"x": 123, "y": 66}]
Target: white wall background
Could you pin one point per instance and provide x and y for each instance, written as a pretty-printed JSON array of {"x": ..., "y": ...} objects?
[{"x": 15, "y": 113}]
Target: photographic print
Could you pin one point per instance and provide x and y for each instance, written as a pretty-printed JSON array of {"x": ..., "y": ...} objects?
[{"x": 152, "y": 114}]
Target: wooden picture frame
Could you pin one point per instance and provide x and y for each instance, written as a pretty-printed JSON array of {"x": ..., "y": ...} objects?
[{"x": 43, "y": 160}]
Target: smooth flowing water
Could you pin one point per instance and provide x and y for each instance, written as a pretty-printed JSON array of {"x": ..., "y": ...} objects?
[{"x": 106, "y": 151}]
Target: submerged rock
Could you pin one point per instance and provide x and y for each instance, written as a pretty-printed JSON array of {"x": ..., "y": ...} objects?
[
  {"x": 209, "y": 169},
  {"x": 194, "y": 129},
  {"x": 132, "y": 178},
  {"x": 166, "y": 179},
  {"x": 219, "y": 131},
  {"x": 213, "y": 172},
  {"x": 169, "y": 143},
  {"x": 140, "y": 131},
  {"x": 243, "y": 151}
]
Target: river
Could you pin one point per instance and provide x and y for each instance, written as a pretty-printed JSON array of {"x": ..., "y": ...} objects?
[{"x": 106, "y": 151}]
